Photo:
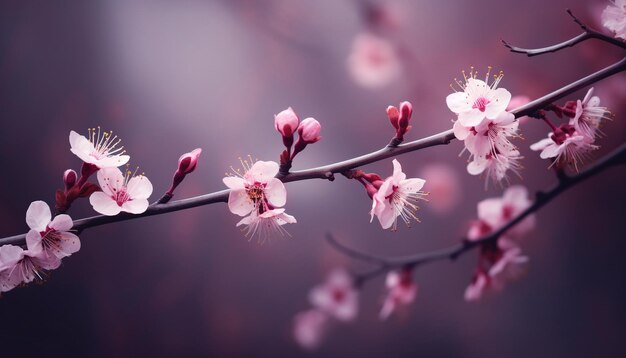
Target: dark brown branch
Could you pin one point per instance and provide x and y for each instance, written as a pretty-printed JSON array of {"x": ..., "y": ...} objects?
[
  {"x": 328, "y": 171},
  {"x": 588, "y": 33},
  {"x": 614, "y": 158}
]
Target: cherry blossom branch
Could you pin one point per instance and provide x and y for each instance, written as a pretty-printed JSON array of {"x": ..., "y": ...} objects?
[
  {"x": 451, "y": 253},
  {"x": 328, "y": 171},
  {"x": 588, "y": 33}
]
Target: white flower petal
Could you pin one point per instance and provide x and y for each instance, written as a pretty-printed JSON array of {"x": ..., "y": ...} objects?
[
  {"x": 139, "y": 187},
  {"x": 135, "y": 206},
  {"x": 38, "y": 215},
  {"x": 104, "y": 204},
  {"x": 61, "y": 222}
]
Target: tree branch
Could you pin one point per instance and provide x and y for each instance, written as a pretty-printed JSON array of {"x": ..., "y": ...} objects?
[
  {"x": 614, "y": 158},
  {"x": 588, "y": 33},
  {"x": 328, "y": 171}
]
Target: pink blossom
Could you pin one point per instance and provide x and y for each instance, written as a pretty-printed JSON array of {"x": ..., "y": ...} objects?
[
  {"x": 373, "y": 62},
  {"x": 19, "y": 266},
  {"x": 256, "y": 189},
  {"x": 309, "y": 130},
  {"x": 491, "y": 136},
  {"x": 401, "y": 291},
  {"x": 614, "y": 18},
  {"x": 589, "y": 115},
  {"x": 310, "y": 328},
  {"x": 101, "y": 149},
  {"x": 444, "y": 189},
  {"x": 337, "y": 296},
  {"x": 51, "y": 237},
  {"x": 497, "y": 212},
  {"x": 496, "y": 166},
  {"x": 267, "y": 223},
  {"x": 121, "y": 192},
  {"x": 478, "y": 99},
  {"x": 397, "y": 197},
  {"x": 566, "y": 146},
  {"x": 509, "y": 265}
]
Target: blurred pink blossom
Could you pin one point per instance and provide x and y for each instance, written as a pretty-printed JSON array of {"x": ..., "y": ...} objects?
[
  {"x": 101, "y": 149},
  {"x": 337, "y": 296},
  {"x": 397, "y": 197},
  {"x": 121, "y": 192},
  {"x": 373, "y": 62},
  {"x": 497, "y": 212},
  {"x": 509, "y": 265},
  {"x": 444, "y": 192},
  {"x": 516, "y": 102},
  {"x": 614, "y": 18},
  {"x": 401, "y": 291},
  {"x": 310, "y": 328}
]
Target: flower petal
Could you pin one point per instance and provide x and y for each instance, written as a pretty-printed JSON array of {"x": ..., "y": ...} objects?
[
  {"x": 61, "y": 222},
  {"x": 104, "y": 204},
  {"x": 275, "y": 193},
  {"x": 239, "y": 202},
  {"x": 139, "y": 187},
  {"x": 234, "y": 182},
  {"x": 38, "y": 215},
  {"x": 111, "y": 180},
  {"x": 262, "y": 171},
  {"x": 135, "y": 206},
  {"x": 458, "y": 102}
]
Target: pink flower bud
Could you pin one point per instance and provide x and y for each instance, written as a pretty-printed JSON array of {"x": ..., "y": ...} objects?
[
  {"x": 286, "y": 122},
  {"x": 188, "y": 161},
  {"x": 309, "y": 130},
  {"x": 394, "y": 116},
  {"x": 69, "y": 179},
  {"x": 406, "y": 110}
]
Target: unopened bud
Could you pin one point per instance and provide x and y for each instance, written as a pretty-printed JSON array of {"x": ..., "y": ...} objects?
[
  {"x": 394, "y": 116},
  {"x": 69, "y": 179},
  {"x": 406, "y": 110},
  {"x": 188, "y": 161},
  {"x": 309, "y": 130},
  {"x": 286, "y": 122}
]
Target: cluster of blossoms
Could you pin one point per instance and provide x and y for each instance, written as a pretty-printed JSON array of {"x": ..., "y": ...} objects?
[
  {"x": 501, "y": 259},
  {"x": 569, "y": 143},
  {"x": 614, "y": 18},
  {"x": 50, "y": 240},
  {"x": 484, "y": 125}
]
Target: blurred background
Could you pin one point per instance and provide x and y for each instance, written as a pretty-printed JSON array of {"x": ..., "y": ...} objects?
[{"x": 170, "y": 76}]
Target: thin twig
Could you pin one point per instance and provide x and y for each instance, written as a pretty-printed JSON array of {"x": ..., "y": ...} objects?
[
  {"x": 588, "y": 33},
  {"x": 614, "y": 158},
  {"x": 328, "y": 171}
]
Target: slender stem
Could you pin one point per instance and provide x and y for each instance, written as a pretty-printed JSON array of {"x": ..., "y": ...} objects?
[
  {"x": 328, "y": 171},
  {"x": 588, "y": 33},
  {"x": 614, "y": 158}
]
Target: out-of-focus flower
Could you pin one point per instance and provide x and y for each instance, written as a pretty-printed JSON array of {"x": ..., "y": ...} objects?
[
  {"x": 497, "y": 212},
  {"x": 310, "y": 328},
  {"x": 267, "y": 223},
  {"x": 566, "y": 146},
  {"x": 286, "y": 122},
  {"x": 373, "y": 62},
  {"x": 478, "y": 99},
  {"x": 589, "y": 115},
  {"x": 397, "y": 197},
  {"x": 121, "y": 192},
  {"x": 505, "y": 265},
  {"x": 614, "y": 18},
  {"x": 444, "y": 190},
  {"x": 401, "y": 291},
  {"x": 337, "y": 296},
  {"x": 101, "y": 149},
  {"x": 516, "y": 102},
  {"x": 19, "y": 266},
  {"x": 256, "y": 189},
  {"x": 51, "y": 237}
]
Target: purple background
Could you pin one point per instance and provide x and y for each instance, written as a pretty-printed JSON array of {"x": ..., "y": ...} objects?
[{"x": 169, "y": 76}]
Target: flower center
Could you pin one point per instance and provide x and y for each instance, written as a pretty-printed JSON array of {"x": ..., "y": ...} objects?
[
  {"x": 50, "y": 238},
  {"x": 338, "y": 295},
  {"x": 481, "y": 103},
  {"x": 121, "y": 196}
]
